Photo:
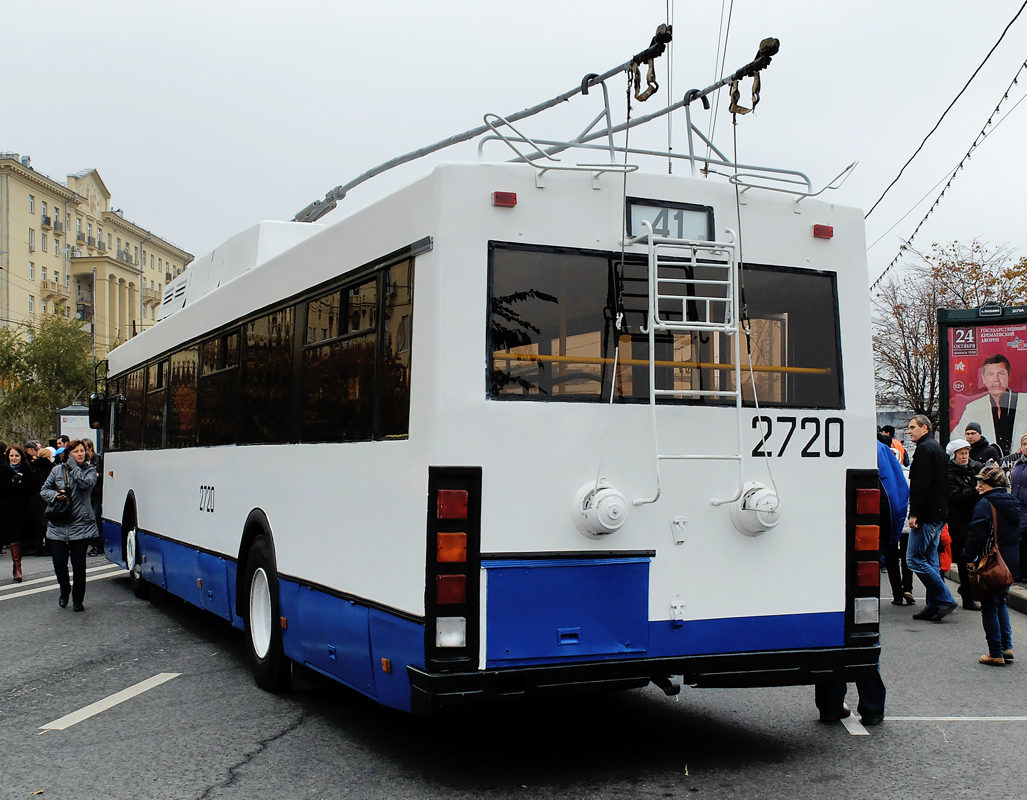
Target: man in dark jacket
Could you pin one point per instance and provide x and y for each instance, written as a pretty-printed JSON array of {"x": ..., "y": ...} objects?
[
  {"x": 980, "y": 449},
  {"x": 928, "y": 508}
]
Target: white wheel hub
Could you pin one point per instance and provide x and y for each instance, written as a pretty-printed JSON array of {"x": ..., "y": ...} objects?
[
  {"x": 131, "y": 559},
  {"x": 260, "y": 613}
]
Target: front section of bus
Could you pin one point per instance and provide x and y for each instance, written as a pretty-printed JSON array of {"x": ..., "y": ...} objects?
[{"x": 610, "y": 500}]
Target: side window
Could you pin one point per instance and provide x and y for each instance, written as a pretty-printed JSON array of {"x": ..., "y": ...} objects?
[
  {"x": 397, "y": 325},
  {"x": 218, "y": 398},
  {"x": 181, "y": 427},
  {"x": 339, "y": 373},
  {"x": 155, "y": 417},
  {"x": 132, "y": 416},
  {"x": 267, "y": 378}
]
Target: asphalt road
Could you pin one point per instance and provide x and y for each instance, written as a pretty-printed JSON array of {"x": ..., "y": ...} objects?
[{"x": 210, "y": 733}]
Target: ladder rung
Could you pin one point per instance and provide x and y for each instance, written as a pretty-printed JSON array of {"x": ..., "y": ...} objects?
[
  {"x": 715, "y": 327},
  {"x": 693, "y": 393}
]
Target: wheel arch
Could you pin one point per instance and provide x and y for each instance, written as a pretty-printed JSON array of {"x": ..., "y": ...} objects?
[{"x": 256, "y": 525}]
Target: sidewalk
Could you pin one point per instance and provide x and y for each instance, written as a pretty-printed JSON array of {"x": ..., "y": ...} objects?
[{"x": 1017, "y": 600}]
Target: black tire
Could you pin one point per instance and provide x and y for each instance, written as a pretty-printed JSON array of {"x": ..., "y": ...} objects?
[
  {"x": 140, "y": 586},
  {"x": 272, "y": 671}
]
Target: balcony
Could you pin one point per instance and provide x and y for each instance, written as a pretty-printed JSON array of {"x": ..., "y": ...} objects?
[
  {"x": 76, "y": 252},
  {"x": 58, "y": 229},
  {"x": 91, "y": 242},
  {"x": 80, "y": 237},
  {"x": 44, "y": 223},
  {"x": 55, "y": 289},
  {"x": 151, "y": 297},
  {"x": 102, "y": 247}
]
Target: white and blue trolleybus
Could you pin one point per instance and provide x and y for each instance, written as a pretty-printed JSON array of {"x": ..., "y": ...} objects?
[{"x": 524, "y": 426}]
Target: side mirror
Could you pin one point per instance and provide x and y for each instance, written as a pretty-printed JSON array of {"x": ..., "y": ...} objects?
[{"x": 97, "y": 409}]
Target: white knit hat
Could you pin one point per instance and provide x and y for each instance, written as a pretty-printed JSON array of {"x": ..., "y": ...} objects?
[{"x": 956, "y": 444}]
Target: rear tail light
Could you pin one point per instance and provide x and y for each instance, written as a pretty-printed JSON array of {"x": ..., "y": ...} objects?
[
  {"x": 868, "y": 501},
  {"x": 868, "y": 537},
  {"x": 452, "y": 567},
  {"x": 868, "y": 573},
  {"x": 862, "y": 564}
]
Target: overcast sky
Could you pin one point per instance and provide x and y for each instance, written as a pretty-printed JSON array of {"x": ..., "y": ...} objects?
[{"x": 207, "y": 117}]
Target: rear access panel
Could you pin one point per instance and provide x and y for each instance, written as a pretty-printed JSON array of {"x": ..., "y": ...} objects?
[{"x": 542, "y": 611}]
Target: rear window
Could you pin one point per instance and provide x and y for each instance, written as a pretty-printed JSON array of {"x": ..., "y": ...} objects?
[{"x": 552, "y": 333}]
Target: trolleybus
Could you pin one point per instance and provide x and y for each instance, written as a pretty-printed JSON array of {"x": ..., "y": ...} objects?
[{"x": 521, "y": 427}]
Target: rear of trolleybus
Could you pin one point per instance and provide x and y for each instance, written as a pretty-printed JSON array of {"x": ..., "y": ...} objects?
[{"x": 677, "y": 530}]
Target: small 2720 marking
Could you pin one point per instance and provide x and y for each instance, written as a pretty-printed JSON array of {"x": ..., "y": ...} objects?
[
  {"x": 833, "y": 430},
  {"x": 207, "y": 498}
]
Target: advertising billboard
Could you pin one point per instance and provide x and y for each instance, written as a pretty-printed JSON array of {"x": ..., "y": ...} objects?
[{"x": 983, "y": 359}]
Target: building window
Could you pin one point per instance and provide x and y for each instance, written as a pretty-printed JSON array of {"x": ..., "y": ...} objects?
[
  {"x": 56, "y": 276},
  {"x": 43, "y": 208},
  {"x": 78, "y": 225},
  {"x": 43, "y": 243},
  {"x": 67, "y": 279},
  {"x": 160, "y": 265},
  {"x": 135, "y": 254},
  {"x": 151, "y": 260},
  {"x": 32, "y": 271},
  {"x": 108, "y": 241},
  {"x": 32, "y": 204},
  {"x": 32, "y": 240},
  {"x": 119, "y": 244},
  {"x": 89, "y": 229},
  {"x": 44, "y": 306},
  {"x": 32, "y": 304}
]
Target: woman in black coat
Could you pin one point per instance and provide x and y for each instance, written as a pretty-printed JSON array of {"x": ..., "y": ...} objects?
[
  {"x": 17, "y": 485},
  {"x": 993, "y": 486}
]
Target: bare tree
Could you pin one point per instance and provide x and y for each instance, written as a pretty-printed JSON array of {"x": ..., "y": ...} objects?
[{"x": 906, "y": 347}]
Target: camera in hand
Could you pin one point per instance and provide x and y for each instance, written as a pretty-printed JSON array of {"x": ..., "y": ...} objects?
[{"x": 17, "y": 478}]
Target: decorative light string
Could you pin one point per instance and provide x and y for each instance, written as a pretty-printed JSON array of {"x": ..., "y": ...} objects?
[{"x": 976, "y": 143}]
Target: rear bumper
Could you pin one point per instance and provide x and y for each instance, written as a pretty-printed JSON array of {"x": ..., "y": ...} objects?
[{"x": 433, "y": 692}]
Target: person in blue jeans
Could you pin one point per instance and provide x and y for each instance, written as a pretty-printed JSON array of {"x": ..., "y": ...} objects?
[
  {"x": 928, "y": 509},
  {"x": 993, "y": 487}
]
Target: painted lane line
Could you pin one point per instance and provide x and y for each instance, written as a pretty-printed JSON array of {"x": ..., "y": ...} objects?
[
  {"x": 955, "y": 719},
  {"x": 51, "y": 579},
  {"x": 853, "y": 726},
  {"x": 108, "y": 702},
  {"x": 50, "y": 588}
]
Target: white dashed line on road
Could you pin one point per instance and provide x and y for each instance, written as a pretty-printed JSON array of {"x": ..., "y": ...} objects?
[{"x": 108, "y": 702}]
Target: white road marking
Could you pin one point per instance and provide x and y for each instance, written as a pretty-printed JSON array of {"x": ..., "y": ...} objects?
[
  {"x": 53, "y": 586},
  {"x": 51, "y": 579},
  {"x": 955, "y": 719},
  {"x": 108, "y": 702},
  {"x": 853, "y": 726}
]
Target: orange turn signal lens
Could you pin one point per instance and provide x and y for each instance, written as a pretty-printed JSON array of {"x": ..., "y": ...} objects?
[
  {"x": 451, "y": 548},
  {"x": 452, "y": 504},
  {"x": 450, "y": 589},
  {"x": 868, "y": 537},
  {"x": 868, "y": 501},
  {"x": 868, "y": 573}
]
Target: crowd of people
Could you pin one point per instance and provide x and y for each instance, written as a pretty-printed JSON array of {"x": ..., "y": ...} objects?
[
  {"x": 33, "y": 476},
  {"x": 975, "y": 494}
]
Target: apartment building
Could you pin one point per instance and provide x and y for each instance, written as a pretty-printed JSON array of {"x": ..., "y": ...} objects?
[{"x": 63, "y": 250}]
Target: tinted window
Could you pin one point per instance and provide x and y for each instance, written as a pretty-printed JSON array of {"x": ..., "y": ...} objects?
[
  {"x": 155, "y": 417},
  {"x": 181, "y": 425},
  {"x": 132, "y": 386},
  {"x": 396, "y": 329},
  {"x": 339, "y": 390},
  {"x": 267, "y": 378},
  {"x": 552, "y": 332}
]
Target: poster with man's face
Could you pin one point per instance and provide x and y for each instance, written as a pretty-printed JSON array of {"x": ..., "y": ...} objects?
[{"x": 987, "y": 368}]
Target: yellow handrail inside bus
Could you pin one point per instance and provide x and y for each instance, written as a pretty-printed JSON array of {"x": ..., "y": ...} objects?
[{"x": 639, "y": 362}]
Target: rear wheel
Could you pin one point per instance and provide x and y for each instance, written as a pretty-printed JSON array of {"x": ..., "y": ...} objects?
[
  {"x": 133, "y": 560},
  {"x": 271, "y": 669}
]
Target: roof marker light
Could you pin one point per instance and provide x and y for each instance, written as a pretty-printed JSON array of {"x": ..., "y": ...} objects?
[
  {"x": 504, "y": 199},
  {"x": 823, "y": 231}
]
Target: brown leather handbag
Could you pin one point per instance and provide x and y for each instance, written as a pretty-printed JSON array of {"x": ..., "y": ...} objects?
[{"x": 989, "y": 575}]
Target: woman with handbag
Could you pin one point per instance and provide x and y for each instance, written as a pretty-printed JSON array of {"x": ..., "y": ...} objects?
[
  {"x": 995, "y": 522},
  {"x": 71, "y": 523}
]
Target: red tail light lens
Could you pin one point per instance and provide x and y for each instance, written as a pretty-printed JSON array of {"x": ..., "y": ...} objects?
[
  {"x": 868, "y": 501},
  {"x": 451, "y": 589},
  {"x": 452, "y": 504},
  {"x": 868, "y": 573}
]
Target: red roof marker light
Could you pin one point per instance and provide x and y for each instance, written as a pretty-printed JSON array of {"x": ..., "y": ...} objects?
[
  {"x": 504, "y": 199},
  {"x": 823, "y": 231}
]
